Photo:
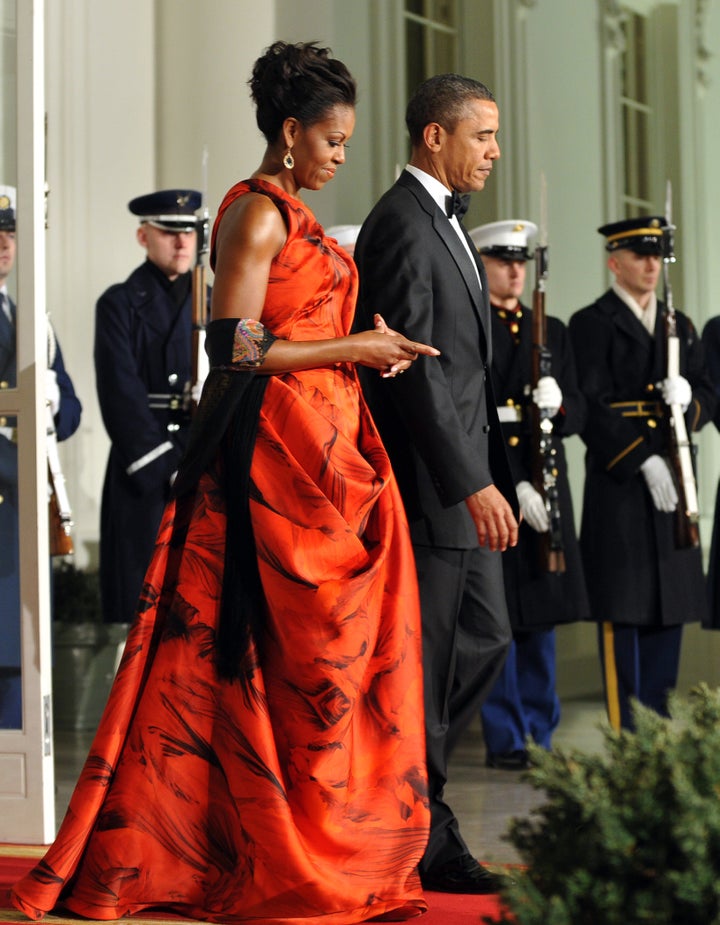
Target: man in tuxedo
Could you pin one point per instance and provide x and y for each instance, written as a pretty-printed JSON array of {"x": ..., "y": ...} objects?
[{"x": 420, "y": 272}]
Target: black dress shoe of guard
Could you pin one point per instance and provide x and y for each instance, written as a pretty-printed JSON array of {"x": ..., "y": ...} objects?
[
  {"x": 462, "y": 875},
  {"x": 517, "y": 760}
]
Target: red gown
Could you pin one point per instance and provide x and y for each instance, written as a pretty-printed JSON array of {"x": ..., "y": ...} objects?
[{"x": 296, "y": 794}]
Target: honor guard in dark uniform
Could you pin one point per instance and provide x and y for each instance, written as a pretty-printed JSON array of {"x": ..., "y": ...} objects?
[
  {"x": 643, "y": 587},
  {"x": 65, "y": 409},
  {"x": 523, "y": 703},
  {"x": 143, "y": 369},
  {"x": 711, "y": 342}
]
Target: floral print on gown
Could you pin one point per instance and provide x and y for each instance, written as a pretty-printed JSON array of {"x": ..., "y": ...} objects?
[{"x": 296, "y": 793}]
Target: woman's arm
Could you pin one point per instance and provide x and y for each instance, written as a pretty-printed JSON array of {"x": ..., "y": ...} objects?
[{"x": 251, "y": 235}]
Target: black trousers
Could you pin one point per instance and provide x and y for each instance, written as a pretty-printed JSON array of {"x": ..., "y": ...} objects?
[{"x": 466, "y": 636}]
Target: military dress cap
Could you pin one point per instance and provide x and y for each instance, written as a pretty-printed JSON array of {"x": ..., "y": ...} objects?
[
  {"x": 169, "y": 209},
  {"x": 345, "y": 235},
  {"x": 8, "y": 198},
  {"x": 643, "y": 235},
  {"x": 507, "y": 240}
]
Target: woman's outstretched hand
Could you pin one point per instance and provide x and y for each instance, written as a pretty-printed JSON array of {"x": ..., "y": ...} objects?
[{"x": 390, "y": 352}]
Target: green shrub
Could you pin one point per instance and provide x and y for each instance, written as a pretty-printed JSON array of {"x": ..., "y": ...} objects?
[
  {"x": 76, "y": 594},
  {"x": 630, "y": 835}
]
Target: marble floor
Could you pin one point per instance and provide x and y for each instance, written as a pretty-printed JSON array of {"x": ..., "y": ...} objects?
[{"x": 484, "y": 800}]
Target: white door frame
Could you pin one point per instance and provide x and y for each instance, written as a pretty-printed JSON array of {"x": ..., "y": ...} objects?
[{"x": 27, "y": 811}]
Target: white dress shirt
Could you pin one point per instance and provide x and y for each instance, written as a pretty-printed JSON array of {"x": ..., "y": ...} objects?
[
  {"x": 5, "y": 303},
  {"x": 440, "y": 193}
]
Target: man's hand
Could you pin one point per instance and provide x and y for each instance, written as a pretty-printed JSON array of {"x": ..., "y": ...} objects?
[{"x": 494, "y": 520}]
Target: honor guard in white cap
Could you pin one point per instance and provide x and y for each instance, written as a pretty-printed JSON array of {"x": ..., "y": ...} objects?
[
  {"x": 506, "y": 240},
  {"x": 63, "y": 410},
  {"x": 642, "y": 587},
  {"x": 143, "y": 366},
  {"x": 523, "y": 702},
  {"x": 345, "y": 235}
]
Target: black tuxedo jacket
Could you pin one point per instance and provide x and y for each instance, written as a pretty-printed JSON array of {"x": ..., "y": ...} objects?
[{"x": 438, "y": 420}]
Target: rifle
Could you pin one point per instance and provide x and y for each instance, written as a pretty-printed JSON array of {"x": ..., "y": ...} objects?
[
  {"x": 61, "y": 522},
  {"x": 199, "y": 359},
  {"x": 680, "y": 448},
  {"x": 544, "y": 469}
]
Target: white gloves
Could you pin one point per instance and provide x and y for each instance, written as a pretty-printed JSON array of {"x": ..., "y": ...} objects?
[
  {"x": 677, "y": 391},
  {"x": 660, "y": 483},
  {"x": 547, "y": 395},
  {"x": 52, "y": 391},
  {"x": 532, "y": 506},
  {"x": 196, "y": 391}
]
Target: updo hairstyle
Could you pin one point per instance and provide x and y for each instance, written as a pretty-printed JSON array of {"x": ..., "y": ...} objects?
[{"x": 300, "y": 81}]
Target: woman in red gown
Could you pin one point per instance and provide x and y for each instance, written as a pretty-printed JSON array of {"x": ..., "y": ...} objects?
[{"x": 261, "y": 755}]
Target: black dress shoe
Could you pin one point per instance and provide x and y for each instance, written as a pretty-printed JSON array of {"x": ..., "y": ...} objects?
[
  {"x": 462, "y": 875},
  {"x": 517, "y": 760}
]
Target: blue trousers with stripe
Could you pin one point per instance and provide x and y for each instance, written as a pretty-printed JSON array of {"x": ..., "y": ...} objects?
[
  {"x": 640, "y": 662},
  {"x": 523, "y": 701}
]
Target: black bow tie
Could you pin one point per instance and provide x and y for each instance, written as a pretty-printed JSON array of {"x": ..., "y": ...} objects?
[{"x": 457, "y": 204}]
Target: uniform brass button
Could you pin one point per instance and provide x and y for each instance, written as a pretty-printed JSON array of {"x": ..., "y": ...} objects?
[
  {"x": 4, "y": 384},
  {"x": 3, "y": 422},
  {"x": 513, "y": 441},
  {"x": 652, "y": 422},
  {"x": 172, "y": 378},
  {"x": 510, "y": 403},
  {"x": 1, "y": 499}
]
